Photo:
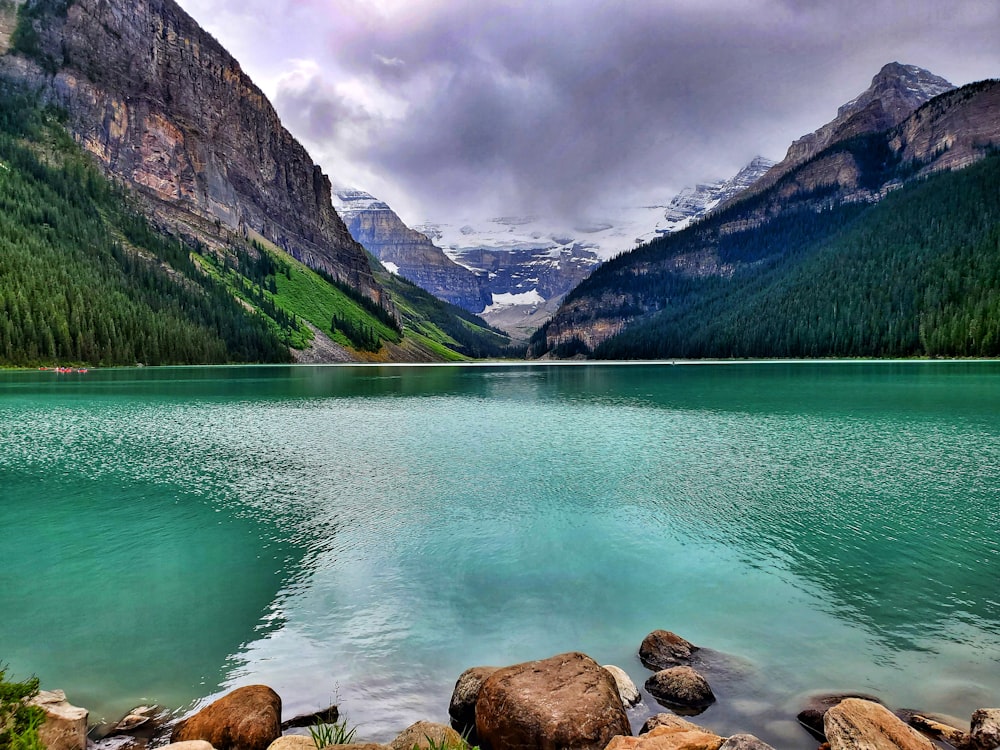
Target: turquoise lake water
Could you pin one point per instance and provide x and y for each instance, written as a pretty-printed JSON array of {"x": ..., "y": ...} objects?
[{"x": 362, "y": 535}]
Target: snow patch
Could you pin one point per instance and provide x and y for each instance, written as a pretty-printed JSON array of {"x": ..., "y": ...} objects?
[
  {"x": 500, "y": 301},
  {"x": 391, "y": 267}
]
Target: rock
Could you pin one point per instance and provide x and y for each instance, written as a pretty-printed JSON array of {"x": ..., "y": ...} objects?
[
  {"x": 680, "y": 686},
  {"x": 855, "y": 724},
  {"x": 744, "y": 742},
  {"x": 566, "y": 701},
  {"x": 462, "y": 708},
  {"x": 293, "y": 742},
  {"x": 941, "y": 731},
  {"x": 627, "y": 690},
  {"x": 811, "y": 717},
  {"x": 669, "y": 738},
  {"x": 189, "y": 745},
  {"x": 327, "y": 715},
  {"x": 669, "y": 720},
  {"x": 65, "y": 725},
  {"x": 248, "y": 718},
  {"x": 424, "y": 734},
  {"x": 985, "y": 729},
  {"x": 662, "y": 649}
]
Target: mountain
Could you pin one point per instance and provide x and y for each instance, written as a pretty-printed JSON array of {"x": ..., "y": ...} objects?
[
  {"x": 895, "y": 92},
  {"x": 407, "y": 252},
  {"x": 527, "y": 264},
  {"x": 220, "y": 229},
  {"x": 756, "y": 241},
  {"x": 162, "y": 105},
  {"x": 691, "y": 204}
]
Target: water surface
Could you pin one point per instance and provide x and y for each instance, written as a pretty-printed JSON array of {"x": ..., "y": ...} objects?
[{"x": 364, "y": 534}]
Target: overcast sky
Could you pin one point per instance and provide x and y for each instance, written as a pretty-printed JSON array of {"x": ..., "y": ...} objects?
[{"x": 470, "y": 108}]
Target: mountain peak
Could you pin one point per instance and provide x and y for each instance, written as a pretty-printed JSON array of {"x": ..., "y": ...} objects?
[
  {"x": 895, "y": 92},
  {"x": 898, "y": 89}
]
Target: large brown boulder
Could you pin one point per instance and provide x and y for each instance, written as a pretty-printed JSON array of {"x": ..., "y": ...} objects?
[
  {"x": 680, "y": 686},
  {"x": 567, "y": 701},
  {"x": 855, "y": 724},
  {"x": 662, "y": 649},
  {"x": 248, "y": 718},
  {"x": 462, "y": 708}
]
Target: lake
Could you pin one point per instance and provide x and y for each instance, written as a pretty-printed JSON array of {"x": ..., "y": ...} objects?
[{"x": 363, "y": 534}]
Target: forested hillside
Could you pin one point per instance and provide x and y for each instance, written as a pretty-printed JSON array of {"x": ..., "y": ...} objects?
[
  {"x": 86, "y": 279},
  {"x": 917, "y": 274},
  {"x": 83, "y": 277}
]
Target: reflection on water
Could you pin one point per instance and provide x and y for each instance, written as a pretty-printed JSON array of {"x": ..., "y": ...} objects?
[{"x": 367, "y": 533}]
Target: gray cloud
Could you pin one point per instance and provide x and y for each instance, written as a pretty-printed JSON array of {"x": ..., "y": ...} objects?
[{"x": 564, "y": 107}]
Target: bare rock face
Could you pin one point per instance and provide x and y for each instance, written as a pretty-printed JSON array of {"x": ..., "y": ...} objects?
[
  {"x": 164, "y": 107},
  {"x": 566, "y": 701},
  {"x": 661, "y": 649},
  {"x": 895, "y": 92},
  {"x": 680, "y": 686},
  {"x": 65, "y": 725},
  {"x": 462, "y": 707},
  {"x": 249, "y": 718},
  {"x": 425, "y": 734},
  {"x": 408, "y": 252},
  {"x": 855, "y": 724}
]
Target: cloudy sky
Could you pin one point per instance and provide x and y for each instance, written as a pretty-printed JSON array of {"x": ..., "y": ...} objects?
[{"x": 450, "y": 109}]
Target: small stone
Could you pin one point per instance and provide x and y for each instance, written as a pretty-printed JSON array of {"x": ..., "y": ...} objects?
[
  {"x": 662, "y": 649},
  {"x": 745, "y": 742},
  {"x": 669, "y": 738},
  {"x": 680, "y": 686},
  {"x": 189, "y": 745},
  {"x": 985, "y": 728},
  {"x": 423, "y": 734},
  {"x": 65, "y": 725},
  {"x": 669, "y": 720},
  {"x": 627, "y": 690},
  {"x": 293, "y": 742},
  {"x": 462, "y": 707}
]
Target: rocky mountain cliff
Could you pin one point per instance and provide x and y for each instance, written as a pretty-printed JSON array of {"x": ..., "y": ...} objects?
[
  {"x": 407, "y": 252},
  {"x": 165, "y": 108},
  {"x": 895, "y": 92},
  {"x": 952, "y": 130}
]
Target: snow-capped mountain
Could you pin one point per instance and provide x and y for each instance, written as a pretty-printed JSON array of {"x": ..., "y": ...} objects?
[
  {"x": 406, "y": 252},
  {"x": 515, "y": 270}
]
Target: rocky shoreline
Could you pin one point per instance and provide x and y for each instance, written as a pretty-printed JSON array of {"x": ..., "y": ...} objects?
[{"x": 566, "y": 701}]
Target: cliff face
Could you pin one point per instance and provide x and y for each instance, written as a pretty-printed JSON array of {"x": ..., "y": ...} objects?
[
  {"x": 408, "y": 252},
  {"x": 164, "y": 107},
  {"x": 895, "y": 92}
]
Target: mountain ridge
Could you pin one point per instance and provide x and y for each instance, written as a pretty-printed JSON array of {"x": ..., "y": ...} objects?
[{"x": 953, "y": 129}]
